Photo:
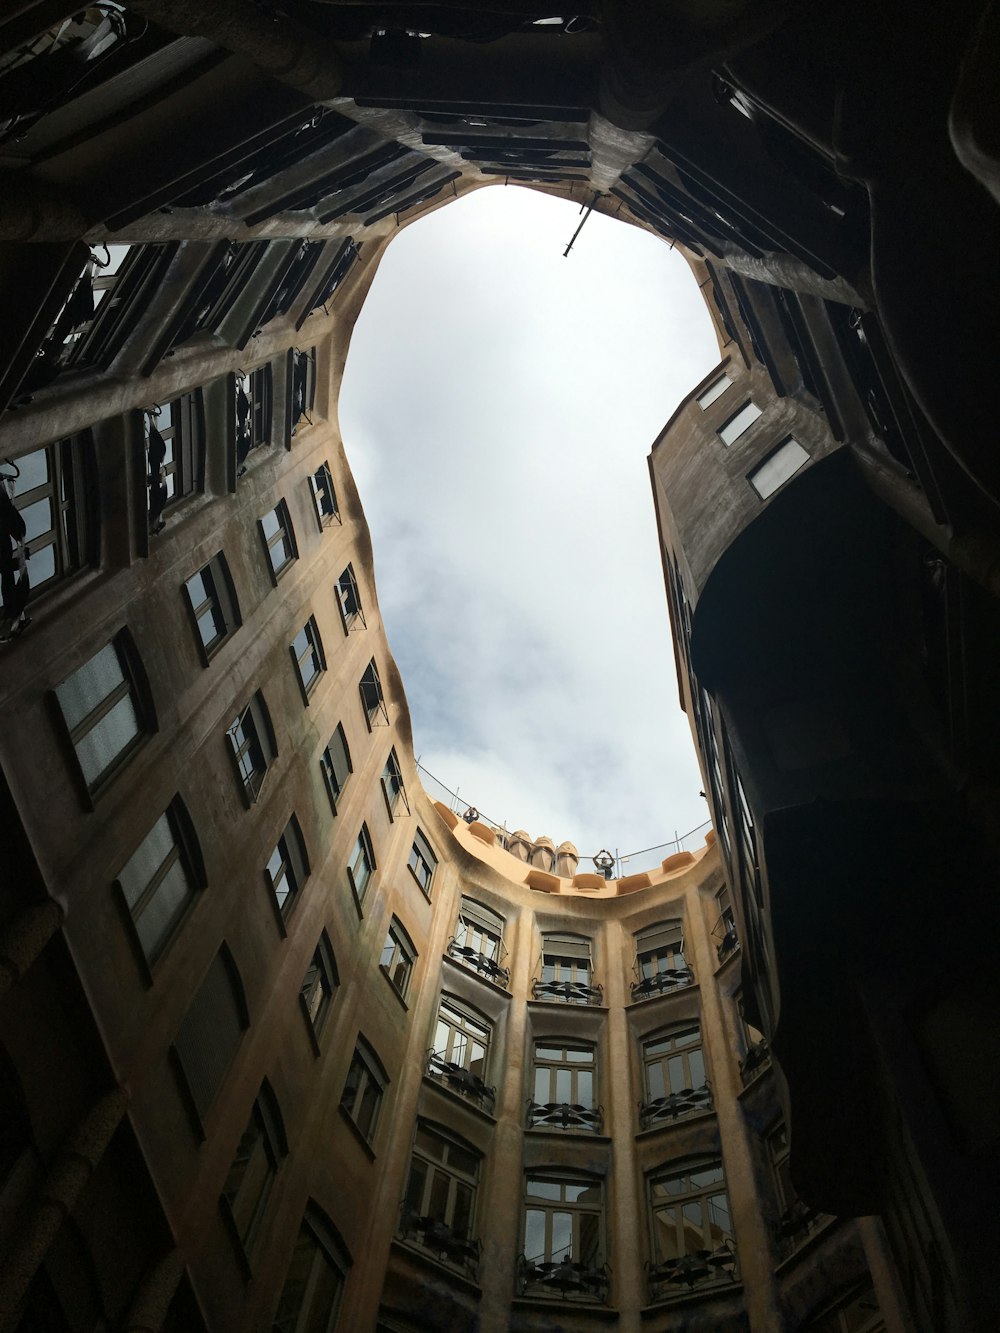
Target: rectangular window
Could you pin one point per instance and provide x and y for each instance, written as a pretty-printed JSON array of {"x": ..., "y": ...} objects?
[
  {"x": 363, "y": 1091},
  {"x": 738, "y": 423},
  {"x": 349, "y": 600},
  {"x": 213, "y": 604},
  {"x": 692, "y": 1233},
  {"x": 50, "y": 493},
  {"x": 307, "y": 654},
  {"x": 398, "y": 958},
  {"x": 279, "y": 539},
  {"x": 724, "y": 932},
  {"x": 461, "y": 1051},
  {"x": 252, "y": 744},
  {"x": 210, "y": 1033},
  {"x": 158, "y": 882},
  {"x": 287, "y": 868},
  {"x": 303, "y": 387},
  {"x": 565, "y": 1087},
  {"x": 314, "y": 1284},
  {"x": 253, "y": 414},
  {"x": 101, "y": 708},
  {"x": 777, "y": 468},
  {"x": 660, "y": 964},
  {"x": 324, "y": 496},
  {"x": 362, "y": 865},
  {"x": 335, "y": 763},
  {"x": 422, "y": 862},
  {"x": 254, "y": 1168},
  {"x": 478, "y": 941},
  {"x": 563, "y": 1248},
  {"x": 566, "y": 971},
  {"x": 440, "y": 1204},
  {"x": 673, "y": 1067},
  {"x": 319, "y": 985},
  {"x": 714, "y": 391},
  {"x": 392, "y": 786},
  {"x": 372, "y": 698},
  {"x": 174, "y": 454}
]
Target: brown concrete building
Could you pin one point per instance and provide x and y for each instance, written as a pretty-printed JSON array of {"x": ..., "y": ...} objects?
[{"x": 264, "y": 1063}]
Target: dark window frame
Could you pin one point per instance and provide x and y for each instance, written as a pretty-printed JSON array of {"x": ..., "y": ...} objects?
[
  {"x": 422, "y": 862},
  {"x": 259, "y": 747},
  {"x": 243, "y": 1191},
  {"x": 287, "y": 870},
  {"x": 373, "y": 698},
  {"x": 219, "y": 603},
  {"x": 319, "y": 988},
  {"x": 69, "y": 489},
  {"x": 363, "y": 854},
  {"x": 393, "y": 787},
  {"x": 313, "y": 651},
  {"x": 329, "y": 768},
  {"x": 349, "y": 601},
  {"x": 365, "y": 1071},
  {"x": 285, "y": 534},
  {"x": 399, "y": 966},
  {"x": 321, "y": 485}
]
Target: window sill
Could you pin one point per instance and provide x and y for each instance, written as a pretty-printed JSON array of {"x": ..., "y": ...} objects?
[
  {"x": 562, "y": 1006},
  {"x": 456, "y": 1099},
  {"x": 693, "y": 1117},
  {"x": 807, "y": 1244},
  {"x": 366, "y": 1147},
  {"x": 692, "y": 988},
  {"x": 464, "y": 971},
  {"x": 454, "y": 1275},
  {"x": 576, "y": 1135},
  {"x": 696, "y": 1296}
]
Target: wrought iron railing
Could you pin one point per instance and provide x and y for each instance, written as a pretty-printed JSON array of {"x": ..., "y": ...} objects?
[
  {"x": 438, "y": 1238},
  {"x": 697, "y": 1268},
  {"x": 564, "y": 1279},
  {"x": 461, "y": 1080},
  {"x": 676, "y": 1105},
  {"x": 479, "y": 962},
  {"x": 565, "y": 1115},
  {"x": 671, "y": 978},
  {"x": 756, "y": 1060},
  {"x": 567, "y": 992},
  {"x": 728, "y": 945},
  {"x": 796, "y": 1224}
]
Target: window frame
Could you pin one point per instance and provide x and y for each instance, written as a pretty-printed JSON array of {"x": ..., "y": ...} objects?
[
  {"x": 220, "y": 600},
  {"x": 392, "y": 780},
  {"x": 452, "y": 1056},
  {"x": 377, "y": 708},
  {"x": 291, "y": 869},
  {"x": 661, "y": 966},
  {"x": 321, "y": 980},
  {"x": 198, "y": 1110},
  {"x": 551, "y": 1059},
  {"x": 284, "y": 533},
  {"x": 401, "y": 955},
  {"x": 708, "y": 1269},
  {"x": 299, "y": 357},
  {"x": 348, "y": 597},
  {"x": 256, "y": 387},
  {"x": 708, "y": 392},
  {"x": 362, "y": 854},
  {"x": 422, "y": 854},
  {"x": 184, "y": 438},
  {"x": 263, "y": 738},
  {"x": 267, "y": 1128},
  {"x": 68, "y": 489},
  {"x": 335, "y": 788},
  {"x": 372, "y": 1074},
  {"x": 320, "y": 483},
  {"x": 787, "y": 445},
  {"x": 676, "y": 1063},
  {"x": 185, "y": 852},
  {"x": 732, "y": 420},
  {"x": 563, "y": 952},
  {"x": 476, "y": 921},
  {"x": 448, "y": 1231},
  {"x": 313, "y": 651},
  {"x": 552, "y": 1266},
  {"x": 327, "y": 1246}
]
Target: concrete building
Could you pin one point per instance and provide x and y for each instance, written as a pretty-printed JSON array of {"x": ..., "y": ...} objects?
[{"x": 264, "y": 1062}]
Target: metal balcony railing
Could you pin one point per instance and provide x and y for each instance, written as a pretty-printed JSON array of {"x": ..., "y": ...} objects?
[
  {"x": 796, "y": 1224},
  {"x": 565, "y": 1115},
  {"x": 671, "y": 978},
  {"x": 697, "y": 1268},
  {"x": 676, "y": 1105},
  {"x": 756, "y": 1060},
  {"x": 479, "y": 962},
  {"x": 567, "y": 992},
  {"x": 564, "y": 1279},
  {"x": 438, "y": 1238},
  {"x": 461, "y": 1080},
  {"x": 728, "y": 945}
]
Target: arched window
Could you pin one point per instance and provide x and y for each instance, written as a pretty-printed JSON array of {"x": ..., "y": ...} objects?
[
  {"x": 461, "y": 1052},
  {"x": 439, "y": 1208},
  {"x": 564, "y": 1250},
  {"x": 478, "y": 941},
  {"x": 564, "y": 1087},
  {"x": 206, "y": 1043},
  {"x": 673, "y": 1067},
  {"x": 317, "y": 1273},
  {"x": 659, "y": 960},
  {"x": 692, "y": 1242}
]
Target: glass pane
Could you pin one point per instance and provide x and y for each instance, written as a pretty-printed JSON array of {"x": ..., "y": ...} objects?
[
  {"x": 146, "y": 860},
  {"x": 580, "y": 1057},
  {"x": 369, "y": 1106},
  {"x": 196, "y": 589},
  {"x": 562, "y": 1236},
  {"x": 102, "y": 744},
  {"x": 676, "y": 1073},
  {"x": 590, "y": 1240},
  {"x": 544, "y": 1189},
  {"x": 534, "y": 1235},
  {"x": 462, "y": 1215},
  {"x": 37, "y": 519},
  {"x": 654, "y": 1082},
  {"x": 692, "y": 1224},
  {"x": 42, "y": 566},
  {"x": 438, "y": 1203},
  {"x": 665, "y": 1237},
  {"x": 585, "y": 1088},
  {"x": 737, "y": 424},
  {"x": 709, "y": 1175},
  {"x": 477, "y": 1059},
  {"x": 90, "y": 685},
  {"x": 388, "y": 953},
  {"x": 270, "y": 523},
  {"x": 415, "y": 1186},
  {"x": 466, "y": 1162},
  {"x": 34, "y": 469},
  {"x": 542, "y": 1081},
  {"x": 564, "y": 1089},
  {"x": 776, "y": 470},
  {"x": 696, "y": 1063},
  {"x": 164, "y": 910},
  {"x": 720, "y": 1227}
]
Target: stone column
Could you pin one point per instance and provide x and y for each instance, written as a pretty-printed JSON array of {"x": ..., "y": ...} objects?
[
  {"x": 155, "y": 1292},
  {"x": 24, "y": 938}
]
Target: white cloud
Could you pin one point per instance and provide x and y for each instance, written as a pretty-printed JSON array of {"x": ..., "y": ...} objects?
[{"x": 498, "y": 406}]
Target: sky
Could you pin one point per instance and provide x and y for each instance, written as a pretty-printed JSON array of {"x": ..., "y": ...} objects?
[{"x": 497, "y": 410}]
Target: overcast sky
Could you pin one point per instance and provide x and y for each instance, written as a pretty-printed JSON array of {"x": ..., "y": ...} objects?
[{"x": 498, "y": 407}]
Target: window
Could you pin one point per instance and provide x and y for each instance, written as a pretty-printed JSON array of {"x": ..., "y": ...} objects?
[
  {"x": 372, "y": 699},
  {"x": 673, "y": 1067},
  {"x": 478, "y": 941},
  {"x": 714, "y": 391},
  {"x": 324, "y": 496},
  {"x": 392, "y": 786},
  {"x": 104, "y": 306},
  {"x": 307, "y": 654},
  {"x": 724, "y": 932},
  {"x": 211, "y": 1031},
  {"x": 659, "y": 960},
  {"x": 349, "y": 601},
  {"x": 439, "y": 1207},
  {"x": 856, "y": 1313},
  {"x": 279, "y": 539},
  {"x": 563, "y": 1248},
  {"x": 777, "y": 467},
  {"x": 738, "y": 423},
  {"x": 101, "y": 708},
  {"x": 303, "y": 387},
  {"x": 398, "y": 957},
  {"x": 565, "y": 1086},
  {"x": 252, "y": 743},
  {"x": 461, "y": 1051},
  {"x": 158, "y": 882},
  {"x": 692, "y": 1234},
  {"x": 174, "y": 454},
  {"x": 212, "y": 599},
  {"x": 50, "y": 490},
  {"x": 314, "y": 1283},
  {"x": 255, "y": 1167},
  {"x": 253, "y": 414},
  {"x": 796, "y": 1220},
  {"x": 287, "y": 868},
  {"x": 566, "y": 971},
  {"x": 422, "y": 862},
  {"x": 757, "y": 1057},
  {"x": 335, "y": 763},
  {"x": 319, "y": 985},
  {"x": 362, "y": 1096},
  {"x": 361, "y": 865}
]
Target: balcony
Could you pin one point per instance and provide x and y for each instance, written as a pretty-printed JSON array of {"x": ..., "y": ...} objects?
[
  {"x": 796, "y": 1224},
  {"x": 756, "y": 1060},
  {"x": 567, "y": 992},
  {"x": 671, "y": 978},
  {"x": 565, "y": 1279},
  {"x": 438, "y": 1239},
  {"x": 698, "y": 1268},
  {"x": 675, "y": 1106},
  {"x": 479, "y": 962},
  {"x": 461, "y": 1080},
  {"x": 728, "y": 945},
  {"x": 565, "y": 1115}
]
